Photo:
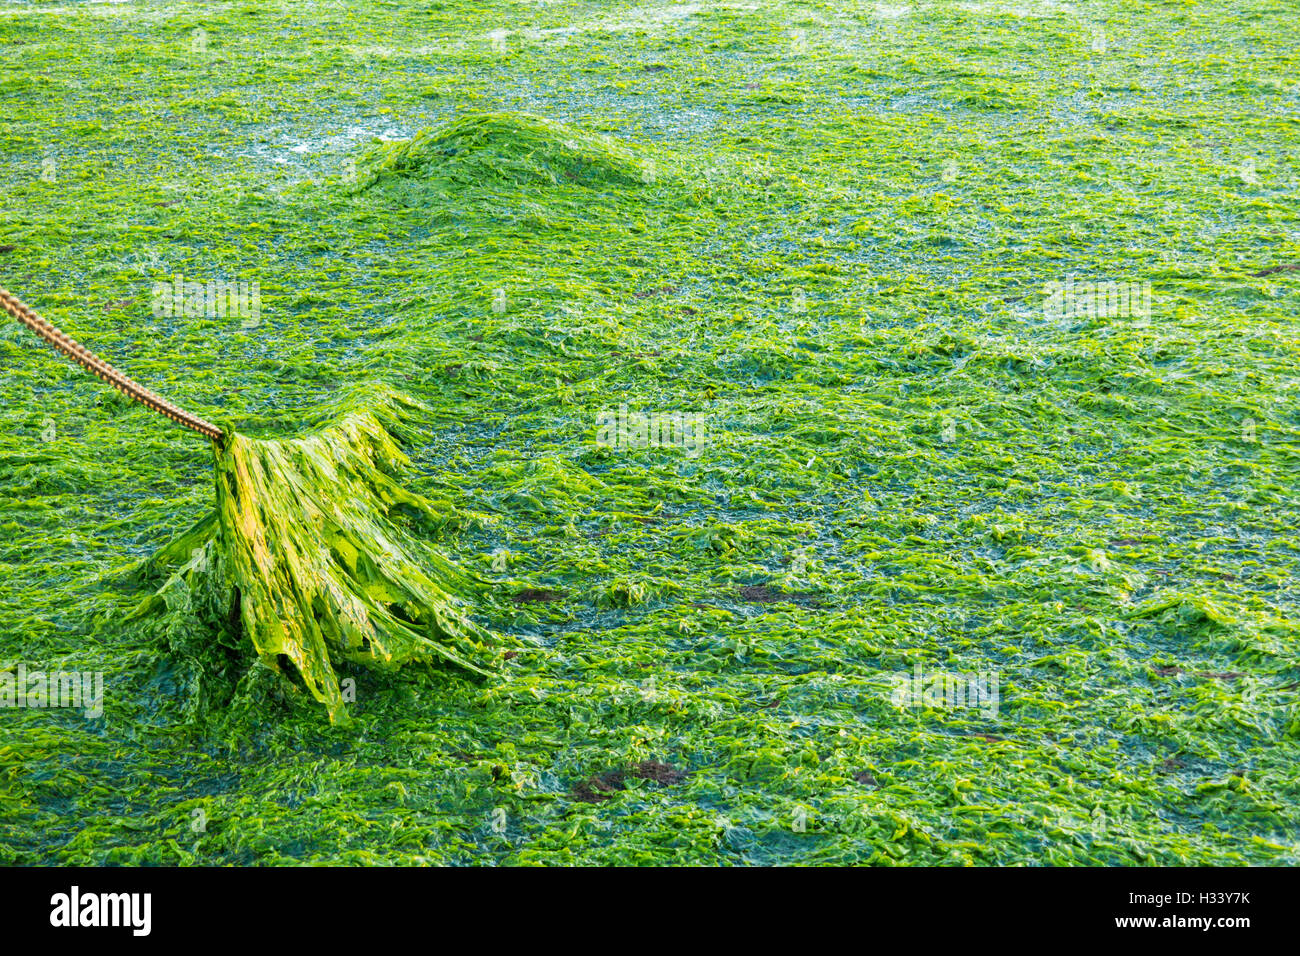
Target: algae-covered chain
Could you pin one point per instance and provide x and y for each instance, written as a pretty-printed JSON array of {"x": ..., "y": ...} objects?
[{"x": 93, "y": 363}]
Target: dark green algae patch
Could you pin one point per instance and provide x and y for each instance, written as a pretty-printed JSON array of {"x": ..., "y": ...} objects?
[{"x": 833, "y": 250}]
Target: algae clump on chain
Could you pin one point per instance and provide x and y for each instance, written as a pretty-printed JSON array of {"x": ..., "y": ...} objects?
[{"x": 314, "y": 556}]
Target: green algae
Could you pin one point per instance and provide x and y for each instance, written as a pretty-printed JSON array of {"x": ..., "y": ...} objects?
[
  {"x": 841, "y": 254},
  {"x": 313, "y": 556},
  {"x": 505, "y": 149}
]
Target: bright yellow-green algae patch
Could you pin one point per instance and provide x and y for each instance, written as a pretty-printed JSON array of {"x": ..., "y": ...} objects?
[
  {"x": 313, "y": 556},
  {"x": 838, "y": 258}
]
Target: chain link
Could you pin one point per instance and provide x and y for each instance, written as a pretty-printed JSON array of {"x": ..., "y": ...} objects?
[{"x": 96, "y": 365}]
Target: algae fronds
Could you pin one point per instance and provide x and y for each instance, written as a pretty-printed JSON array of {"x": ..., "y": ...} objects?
[
  {"x": 507, "y": 149},
  {"x": 841, "y": 265},
  {"x": 314, "y": 555}
]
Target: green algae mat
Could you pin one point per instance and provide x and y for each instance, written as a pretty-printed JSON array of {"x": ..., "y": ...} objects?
[{"x": 851, "y": 432}]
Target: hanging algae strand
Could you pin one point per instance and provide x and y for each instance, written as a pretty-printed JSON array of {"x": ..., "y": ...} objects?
[
  {"x": 311, "y": 547},
  {"x": 315, "y": 538}
]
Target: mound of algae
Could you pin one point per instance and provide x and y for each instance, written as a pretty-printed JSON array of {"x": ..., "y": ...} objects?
[
  {"x": 315, "y": 555},
  {"x": 506, "y": 149}
]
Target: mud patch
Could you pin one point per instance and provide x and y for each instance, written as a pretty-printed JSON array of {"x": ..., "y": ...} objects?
[
  {"x": 603, "y": 786},
  {"x": 762, "y": 594},
  {"x": 537, "y": 596}
]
